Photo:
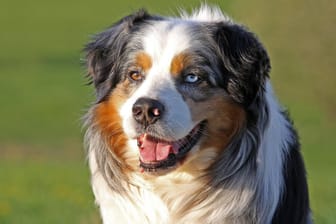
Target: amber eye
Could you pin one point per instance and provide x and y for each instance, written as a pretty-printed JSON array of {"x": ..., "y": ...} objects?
[{"x": 136, "y": 75}]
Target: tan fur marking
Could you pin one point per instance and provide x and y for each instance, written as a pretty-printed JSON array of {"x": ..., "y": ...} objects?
[
  {"x": 144, "y": 61},
  {"x": 225, "y": 121},
  {"x": 178, "y": 64},
  {"x": 110, "y": 123}
]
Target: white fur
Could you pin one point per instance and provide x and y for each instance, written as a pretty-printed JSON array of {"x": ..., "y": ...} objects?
[
  {"x": 272, "y": 151},
  {"x": 116, "y": 207}
]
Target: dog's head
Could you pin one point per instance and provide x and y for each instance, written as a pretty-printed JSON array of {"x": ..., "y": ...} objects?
[{"x": 174, "y": 92}]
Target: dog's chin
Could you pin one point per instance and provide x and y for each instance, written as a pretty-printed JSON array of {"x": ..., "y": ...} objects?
[{"x": 159, "y": 156}]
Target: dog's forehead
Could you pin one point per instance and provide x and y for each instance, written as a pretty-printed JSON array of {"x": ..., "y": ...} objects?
[{"x": 163, "y": 40}]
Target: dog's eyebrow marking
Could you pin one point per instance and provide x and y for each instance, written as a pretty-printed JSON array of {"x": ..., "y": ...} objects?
[
  {"x": 144, "y": 61},
  {"x": 178, "y": 63}
]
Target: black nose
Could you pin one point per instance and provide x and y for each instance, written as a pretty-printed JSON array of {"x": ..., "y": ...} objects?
[{"x": 147, "y": 111}]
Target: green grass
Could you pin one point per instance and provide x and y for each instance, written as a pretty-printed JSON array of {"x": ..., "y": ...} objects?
[
  {"x": 43, "y": 174},
  {"x": 45, "y": 191}
]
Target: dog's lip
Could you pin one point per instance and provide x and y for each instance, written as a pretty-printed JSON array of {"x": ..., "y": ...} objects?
[{"x": 158, "y": 153}]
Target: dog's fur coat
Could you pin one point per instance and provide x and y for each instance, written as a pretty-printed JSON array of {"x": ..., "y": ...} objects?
[{"x": 205, "y": 80}]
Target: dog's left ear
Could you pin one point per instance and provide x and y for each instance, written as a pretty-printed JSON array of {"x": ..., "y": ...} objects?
[{"x": 244, "y": 62}]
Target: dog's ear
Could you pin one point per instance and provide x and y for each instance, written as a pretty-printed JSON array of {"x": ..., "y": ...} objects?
[
  {"x": 104, "y": 53},
  {"x": 244, "y": 62}
]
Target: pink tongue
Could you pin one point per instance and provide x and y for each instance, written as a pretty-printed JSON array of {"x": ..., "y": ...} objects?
[{"x": 151, "y": 150}]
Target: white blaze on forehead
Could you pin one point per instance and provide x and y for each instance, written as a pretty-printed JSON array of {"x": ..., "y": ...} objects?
[{"x": 162, "y": 41}]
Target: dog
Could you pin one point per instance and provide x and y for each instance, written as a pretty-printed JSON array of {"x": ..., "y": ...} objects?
[{"x": 186, "y": 127}]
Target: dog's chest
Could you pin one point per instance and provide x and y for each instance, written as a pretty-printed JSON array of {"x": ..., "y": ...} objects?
[{"x": 164, "y": 204}]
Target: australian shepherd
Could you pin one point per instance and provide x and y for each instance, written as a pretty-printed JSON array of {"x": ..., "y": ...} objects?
[{"x": 186, "y": 128}]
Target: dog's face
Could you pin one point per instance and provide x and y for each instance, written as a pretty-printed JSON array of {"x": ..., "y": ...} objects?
[{"x": 173, "y": 93}]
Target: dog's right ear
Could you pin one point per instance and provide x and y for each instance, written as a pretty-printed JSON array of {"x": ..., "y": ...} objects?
[{"x": 104, "y": 52}]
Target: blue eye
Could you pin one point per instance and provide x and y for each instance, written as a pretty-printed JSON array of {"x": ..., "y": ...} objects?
[{"x": 191, "y": 78}]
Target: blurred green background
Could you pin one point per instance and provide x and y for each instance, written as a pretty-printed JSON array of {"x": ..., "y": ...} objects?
[{"x": 44, "y": 177}]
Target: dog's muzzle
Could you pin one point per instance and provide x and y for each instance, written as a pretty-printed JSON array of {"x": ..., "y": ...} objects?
[{"x": 157, "y": 153}]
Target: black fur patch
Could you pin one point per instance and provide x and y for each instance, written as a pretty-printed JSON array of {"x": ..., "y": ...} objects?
[{"x": 245, "y": 62}]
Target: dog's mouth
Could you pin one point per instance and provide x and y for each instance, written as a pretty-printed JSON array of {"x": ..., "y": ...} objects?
[{"x": 157, "y": 154}]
